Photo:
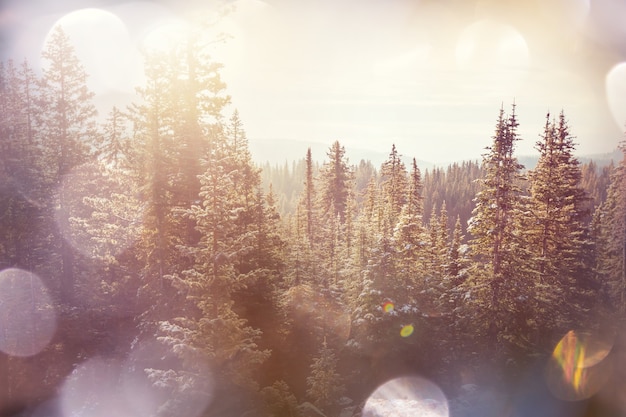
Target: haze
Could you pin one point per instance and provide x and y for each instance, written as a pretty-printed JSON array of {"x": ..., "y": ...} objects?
[{"x": 429, "y": 76}]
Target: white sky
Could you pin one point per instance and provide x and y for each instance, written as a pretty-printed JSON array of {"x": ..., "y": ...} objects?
[{"x": 427, "y": 75}]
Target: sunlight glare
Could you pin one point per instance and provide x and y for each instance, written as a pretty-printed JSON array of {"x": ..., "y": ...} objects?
[
  {"x": 572, "y": 14},
  {"x": 616, "y": 93},
  {"x": 165, "y": 36},
  {"x": 27, "y": 317},
  {"x": 239, "y": 26},
  {"x": 488, "y": 45},
  {"x": 93, "y": 389},
  {"x": 577, "y": 368},
  {"x": 104, "y": 47},
  {"x": 416, "y": 58},
  {"x": 407, "y": 397},
  {"x": 492, "y": 59}
]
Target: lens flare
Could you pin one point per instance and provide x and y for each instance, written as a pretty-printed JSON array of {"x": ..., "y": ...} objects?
[
  {"x": 27, "y": 316},
  {"x": 485, "y": 45},
  {"x": 155, "y": 379},
  {"x": 578, "y": 369},
  {"x": 93, "y": 389},
  {"x": 104, "y": 46},
  {"x": 616, "y": 93},
  {"x": 166, "y": 36},
  {"x": 493, "y": 56},
  {"x": 407, "y": 330},
  {"x": 388, "y": 307},
  {"x": 407, "y": 397},
  {"x": 98, "y": 213}
]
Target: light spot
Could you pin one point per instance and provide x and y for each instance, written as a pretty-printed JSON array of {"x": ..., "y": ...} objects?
[
  {"x": 568, "y": 14},
  {"x": 105, "y": 49},
  {"x": 165, "y": 36},
  {"x": 407, "y": 330},
  {"x": 488, "y": 45},
  {"x": 92, "y": 389},
  {"x": 616, "y": 93},
  {"x": 388, "y": 307},
  {"x": 578, "y": 369},
  {"x": 97, "y": 212},
  {"x": 27, "y": 317},
  {"x": 154, "y": 381},
  {"x": 492, "y": 60},
  {"x": 407, "y": 397}
]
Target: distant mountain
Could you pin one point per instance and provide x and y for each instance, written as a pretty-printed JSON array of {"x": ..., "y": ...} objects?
[
  {"x": 601, "y": 159},
  {"x": 277, "y": 151}
]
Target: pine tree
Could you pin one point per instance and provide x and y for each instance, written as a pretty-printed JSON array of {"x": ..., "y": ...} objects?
[
  {"x": 557, "y": 235},
  {"x": 499, "y": 286},
  {"x": 216, "y": 331},
  {"x": 335, "y": 182},
  {"x": 21, "y": 182},
  {"x": 324, "y": 384},
  {"x": 114, "y": 146},
  {"x": 611, "y": 236},
  {"x": 69, "y": 129},
  {"x": 394, "y": 185},
  {"x": 410, "y": 233},
  {"x": 309, "y": 198}
]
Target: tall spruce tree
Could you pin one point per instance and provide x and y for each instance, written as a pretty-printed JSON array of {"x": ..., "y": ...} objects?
[
  {"x": 335, "y": 182},
  {"x": 557, "y": 235},
  {"x": 69, "y": 129},
  {"x": 611, "y": 237},
  {"x": 21, "y": 182},
  {"x": 409, "y": 236},
  {"x": 499, "y": 286},
  {"x": 394, "y": 185}
]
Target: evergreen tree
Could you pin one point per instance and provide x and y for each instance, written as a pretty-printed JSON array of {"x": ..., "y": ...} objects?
[
  {"x": 114, "y": 146},
  {"x": 394, "y": 185},
  {"x": 215, "y": 330},
  {"x": 21, "y": 183},
  {"x": 309, "y": 199},
  {"x": 335, "y": 183},
  {"x": 410, "y": 233},
  {"x": 69, "y": 129},
  {"x": 324, "y": 384},
  {"x": 499, "y": 286},
  {"x": 611, "y": 237},
  {"x": 556, "y": 233}
]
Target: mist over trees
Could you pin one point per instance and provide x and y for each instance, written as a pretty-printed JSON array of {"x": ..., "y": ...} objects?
[{"x": 185, "y": 279}]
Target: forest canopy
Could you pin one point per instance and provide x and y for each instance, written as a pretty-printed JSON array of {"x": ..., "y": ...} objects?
[{"x": 145, "y": 269}]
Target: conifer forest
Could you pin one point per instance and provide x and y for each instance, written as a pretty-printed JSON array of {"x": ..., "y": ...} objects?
[{"x": 149, "y": 266}]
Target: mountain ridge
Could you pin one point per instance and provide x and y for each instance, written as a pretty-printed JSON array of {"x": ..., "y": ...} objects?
[{"x": 279, "y": 151}]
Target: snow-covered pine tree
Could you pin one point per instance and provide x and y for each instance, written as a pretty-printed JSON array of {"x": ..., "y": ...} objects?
[
  {"x": 499, "y": 287},
  {"x": 557, "y": 235},
  {"x": 70, "y": 131},
  {"x": 611, "y": 219},
  {"x": 325, "y": 386}
]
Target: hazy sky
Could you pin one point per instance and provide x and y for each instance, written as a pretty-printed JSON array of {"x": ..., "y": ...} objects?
[{"x": 427, "y": 75}]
